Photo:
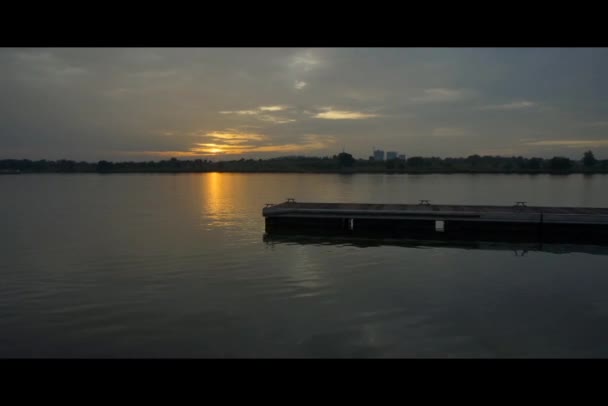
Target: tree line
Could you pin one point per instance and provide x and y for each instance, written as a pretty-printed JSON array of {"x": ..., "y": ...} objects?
[{"x": 340, "y": 163}]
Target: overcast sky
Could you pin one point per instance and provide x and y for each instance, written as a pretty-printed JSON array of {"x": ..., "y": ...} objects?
[{"x": 223, "y": 103}]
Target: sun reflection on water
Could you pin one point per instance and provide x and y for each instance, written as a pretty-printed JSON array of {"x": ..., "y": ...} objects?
[{"x": 218, "y": 209}]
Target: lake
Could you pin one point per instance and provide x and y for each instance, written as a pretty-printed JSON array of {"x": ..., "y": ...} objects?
[{"x": 162, "y": 265}]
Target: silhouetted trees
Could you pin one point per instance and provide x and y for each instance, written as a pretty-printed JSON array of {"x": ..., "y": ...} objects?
[
  {"x": 346, "y": 160},
  {"x": 104, "y": 166},
  {"x": 66, "y": 166},
  {"x": 559, "y": 163},
  {"x": 534, "y": 163},
  {"x": 589, "y": 160},
  {"x": 474, "y": 160},
  {"x": 415, "y": 162},
  {"x": 337, "y": 163}
]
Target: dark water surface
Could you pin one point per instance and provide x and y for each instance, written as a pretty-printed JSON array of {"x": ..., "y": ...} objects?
[{"x": 177, "y": 266}]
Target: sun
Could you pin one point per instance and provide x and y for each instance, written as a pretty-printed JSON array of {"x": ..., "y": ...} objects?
[{"x": 215, "y": 150}]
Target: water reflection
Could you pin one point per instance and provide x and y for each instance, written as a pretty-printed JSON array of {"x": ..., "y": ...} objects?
[
  {"x": 519, "y": 248},
  {"x": 218, "y": 209},
  {"x": 174, "y": 266}
]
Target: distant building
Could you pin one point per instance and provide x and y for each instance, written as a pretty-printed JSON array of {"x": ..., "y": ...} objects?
[
  {"x": 379, "y": 155},
  {"x": 402, "y": 157},
  {"x": 391, "y": 155}
]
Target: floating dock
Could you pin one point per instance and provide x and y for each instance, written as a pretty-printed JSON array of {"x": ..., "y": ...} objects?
[{"x": 518, "y": 219}]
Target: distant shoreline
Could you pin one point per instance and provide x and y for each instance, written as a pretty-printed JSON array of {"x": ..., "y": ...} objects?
[
  {"x": 342, "y": 163},
  {"x": 413, "y": 172}
]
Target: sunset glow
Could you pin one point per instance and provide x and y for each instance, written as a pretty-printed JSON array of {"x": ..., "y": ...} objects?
[{"x": 266, "y": 102}]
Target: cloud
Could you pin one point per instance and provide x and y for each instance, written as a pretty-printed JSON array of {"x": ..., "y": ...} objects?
[
  {"x": 343, "y": 115},
  {"x": 304, "y": 61},
  {"x": 36, "y": 57},
  {"x": 155, "y": 74},
  {"x": 258, "y": 114},
  {"x": 308, "y": 142},
  {"x": 123, "y": 98},
  {"x": 499, "y": 152},
  {"x": 235, "y": 135},
  {"x": 442, "y": 95},
  {"x": 161, "y": 154},
  {"x": 596, "y": 124},
  {"x": 44, "y": 66},
  {"x": 240, "y": 112},
  {"x": 272, "y": 108},
  {"x": 70, "y": 70},
  {"x": 449, "y": 132},
  {"x": 516, "y": 105},
  {"x": 118, "y": 92},
  {"x": 569, "y": 143},
  {"x": 258, "y": 110},
  {"x": 275, "y": 120}
]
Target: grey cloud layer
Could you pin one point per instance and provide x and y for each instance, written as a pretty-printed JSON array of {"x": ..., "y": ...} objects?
[{"x": 105, "y": 103}]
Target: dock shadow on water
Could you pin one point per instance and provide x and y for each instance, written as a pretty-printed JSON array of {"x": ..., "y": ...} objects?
[{"x": 520, "y": 245}]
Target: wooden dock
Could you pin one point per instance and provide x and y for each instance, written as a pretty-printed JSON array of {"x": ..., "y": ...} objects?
[{"x": 435, "y": 218}]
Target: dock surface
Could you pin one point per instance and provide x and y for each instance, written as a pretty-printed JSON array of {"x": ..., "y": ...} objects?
[
  {"x": 404, "y": 211},
  {"x": 435, "y": 217}
]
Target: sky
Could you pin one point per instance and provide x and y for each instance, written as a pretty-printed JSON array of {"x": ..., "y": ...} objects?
[{"x": 135, "y": 104}]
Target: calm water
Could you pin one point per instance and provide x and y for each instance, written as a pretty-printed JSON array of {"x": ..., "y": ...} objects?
[{"x": 176, "y": 266}]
